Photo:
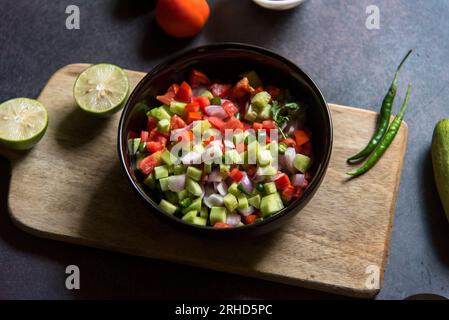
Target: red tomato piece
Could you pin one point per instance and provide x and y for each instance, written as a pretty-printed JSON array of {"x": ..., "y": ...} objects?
[
  {"x": 230, "y": 108},
  {"x": 193, "y": 116},
  {"x": 144, "y": 136},
  {"x": 242, "y": 88},
  {"x": 301, "y": 137},
  {"x": 168, "y": 97},
  {"x": 198, "y": 78},
  {"x": 203, "y": 102},
  {"x": 192, "y": 107},
  {"x": 184, "y": 93},
  {"x": 236, "y": 175},
  {"x": 257, "y": 126},
  {"x": 154, "y": 146},
  {"x": 288, "y": 193},
  {"x": 148, "y": 164},
  {"x": 249, "y": 219},
  {"x": 234, "y": 124},
  {"x": 269, "y": 124},
  {"x": 282, "y": 182},
  {"x": 176, "y": 122},
  {"x": 222, "y": 225},
  {"x": 157, "y": 136},
  {"x": 220, "y": 90},
  {"x": 216, "y": 122},
  {"x": 151, "y": 123}
]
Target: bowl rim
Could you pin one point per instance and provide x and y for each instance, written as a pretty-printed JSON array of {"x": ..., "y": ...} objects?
[{"x": 297, "y": 204}]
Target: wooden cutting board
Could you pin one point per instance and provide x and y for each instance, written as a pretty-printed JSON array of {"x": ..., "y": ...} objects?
[{"x": 70, "y": 187}]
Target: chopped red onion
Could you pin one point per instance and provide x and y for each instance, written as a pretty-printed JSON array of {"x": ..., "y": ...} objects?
[
  {"x": 299, "y": 180},
  {"x": 222, "y": 188},
  {"x": 233, "y": 219},
  {"x": 207, "y": 202},
  {"x": 216, "y": 200},
  {"x": 216, "y": 111},
  {"x": 246, "y": 183},
  {"x": 215, "y": 176},
  {"x": 247, "y": 211},
  {"x": 177, "y": 183},
  {"x": 289, "y": 157}
]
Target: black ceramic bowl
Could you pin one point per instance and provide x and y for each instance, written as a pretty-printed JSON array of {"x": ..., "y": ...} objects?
[{"x": 225, "y": 62}]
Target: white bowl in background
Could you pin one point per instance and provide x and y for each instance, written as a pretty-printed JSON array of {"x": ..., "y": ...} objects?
[{"x": 278, "y": 4}]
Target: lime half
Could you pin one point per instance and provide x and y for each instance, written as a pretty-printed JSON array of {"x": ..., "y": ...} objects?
[
  {"x": 23, "y": 123},
  {"x": 101, "y": 89}
]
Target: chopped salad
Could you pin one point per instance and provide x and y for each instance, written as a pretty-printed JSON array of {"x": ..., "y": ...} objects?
[{"x": 223, "y": 155}]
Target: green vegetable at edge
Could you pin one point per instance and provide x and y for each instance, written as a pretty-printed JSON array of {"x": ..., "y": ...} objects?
[
  {"x": 386, "y": 140},
  {"x": 279, "y": 115},
  {"x": 384, "y": 120},
  {"x": 440, "y": 161}
]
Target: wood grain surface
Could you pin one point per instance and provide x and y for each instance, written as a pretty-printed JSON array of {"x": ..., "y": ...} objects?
[{"x": 70, "y": 187}]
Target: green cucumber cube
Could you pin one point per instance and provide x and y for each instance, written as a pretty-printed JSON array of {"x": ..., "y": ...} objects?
[
  {"x": 177, "y": 107},
  {"x": 194, "y": 173},
  {"x": 160, "y": 113},
  {"x": 160, "y": 172},
  {"x": 234, "y": 189},
  {"x": 301, "y": 162},
  {"x": 255, "y": 201},
  {"x": 150, "y": 181},
  {"x": 183, "y": 194},
  {"x": 242, "y": 202},
  {"x": 164, "y": 184},
  {"x": 208, "y": 167},
  {"x": 171, "y": 197},
  {"x": 251, "y": 114},
  {"x": 195, "y": 206},
  {"x": 207, "y": 94},
  {"x": 253, "y": 78},
  {"x": 230, "y": 202},
  {"x": 217, "y": 214},
  {"x": 270, "y": 187},
  {"x": 265, "y": 113},
  {"x": 163, "y": 126},
  {"x": 189, "y": 216},
  {"x": 271, "y": 204},
  {"x": 167, "y": 207},
  {"x": 193, "y": 187},
  {"x": 204, "y": 213},
  {"x": 179, "y": 169},
  {"x": 167, "y": 158},
  {"x": 260, "y": 100},
  {"x": 224, "y": 169},
  {"x": 199, "y": 221}
]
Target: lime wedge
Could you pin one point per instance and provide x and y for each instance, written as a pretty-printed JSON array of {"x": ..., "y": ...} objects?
[
  {"x": 101, "y": 89},
  {"x": 23, "y": 123}
]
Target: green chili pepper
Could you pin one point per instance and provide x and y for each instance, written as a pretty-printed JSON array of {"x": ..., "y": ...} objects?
[
  {"x": 260, "y": 187},
  {"x": 386, "y": 140},
  {"x": 243, "y": 190},
  {"x": 384, "y": 120}
]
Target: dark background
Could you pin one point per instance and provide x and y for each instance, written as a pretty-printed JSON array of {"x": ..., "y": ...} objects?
[{"x": 327, "y": 38}]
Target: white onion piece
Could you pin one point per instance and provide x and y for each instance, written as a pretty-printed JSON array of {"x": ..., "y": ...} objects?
[
  {"x": 246, "y": 183},
  {"x": 215, "y": 200},
  {"x": 215, "y": 176},
  {"x": 207, "y": 203},
  {"x": 247, "y": 211},
  {"x": 216, "y": 111},
  {"x": 222, "y": 188},
  {"x": 298, "y": 180},
  {"x": 233, "y": 219},
  {"x": 193, "y": 157},
  {"x": 177, "y": 183},
  {"x": 289, "y": 157}
]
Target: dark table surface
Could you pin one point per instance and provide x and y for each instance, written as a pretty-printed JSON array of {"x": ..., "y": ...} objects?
[{"x": 328, "y": 38}]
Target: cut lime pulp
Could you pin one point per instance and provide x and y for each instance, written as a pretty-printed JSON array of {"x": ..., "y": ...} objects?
[
  {"x": 23, "y": 123},
  {"x": 101, "y": 89}
]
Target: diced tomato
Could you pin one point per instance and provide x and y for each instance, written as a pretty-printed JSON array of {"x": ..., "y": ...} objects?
[
  {"x": 298, "y": 192},
  {"x": 233, "y": 123},
  {"x": 184, "y": 93},
  {"x": 230, "y": 108},
  {"x": 198, "y": 78},
  {"x": 170, "y": 95},
  {"x": 273, "y": 91},
  {"x": 220, "y": 90},
  {"x": 307, "y": 149},
  {"x": 144, "y": 136},
  {"x": 157, "y": 136},
  {"x": 222, "y": 225},
  {"x": 242, "y": 88},
  {"x": 132, "y": 135},
  {"x": 288, "y": 193},
  {"x": 289, "y": 142},
  {"x": 236, "y": 175},
  {"x": 249, "y": 219},
  {"x": 257, "y": 126},
  {"x": 203, "y": 102},
  {"x": 301, "y": 137},
  {"x": 148, "y": 164},
  {"x": 192, "y": 107},
  {"x": 151, "y": 123},
  {"x": 176, "y": 122},
  {"x": 216, "y": 122},
  {"x": 282, "y": 182},
  {"x": 193, "y": 116},
  {"x": 154, "y": 146},
  {"x": 246, "y": 126},
  {"x": 269, "y": 124}
]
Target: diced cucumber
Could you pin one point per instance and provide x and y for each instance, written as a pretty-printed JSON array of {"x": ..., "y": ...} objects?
[
  {"x": 207, "y": 94},
  {"x": 260, "y": 100},
  {"x": 189, "y": 216},
  {"x": 242, "y": 202},
  {"x": 195, "y": 206},
  {"x": 255, "y": 201},
  {"x": 234, "y": 189},
  {"x": 271, "y": 204},
  {"x": 240, "y": 224},
  {"x": 179, "y": 169},
  {"x": 265, "y": 113},
  {"x": 224, "y": 169},
  {"x": 160, "y": 113},
  {"x": 183, "y": 194},
  {"x": 199, "y": 221},
  {"x": 164, "y": 184},
  {"x": 171, "y": 197},
  {"x": 163, "y": 126},
  {"x": 193, "y": 187},
  {"x": 253, "y": 78},
  {"x": 167, "y": 207},
  {"x": 142, "y": 147},
  {"x": 194, "y": 173},
  {"x": 232, "y": 157},
  {"x": 150, "y": 181},
  {"x": 230, "y": 202},
  {"x": 160, "y": 172},
  {"x": 301, "y": 162},
  {"x": 251, "y": 114},
  {"x": 217, "y": 214},
  {"x": 264, "y": 157},
  {"x": 133, "y": 146},
  {"x": 268, "y": 171},
  {"x": 204, "y": 213},
  {"x": 167, "y": 158},
  {"x": 216, "y": 101},
  {"x": 270, "y": 187},
  {"x": 177, "y": 107},
  {"x": 208, "y": 167},
  {"x": 185, "y": 203}
]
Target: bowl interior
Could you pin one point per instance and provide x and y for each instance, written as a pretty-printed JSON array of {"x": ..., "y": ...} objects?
[{"x": 225, "y": 63}]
